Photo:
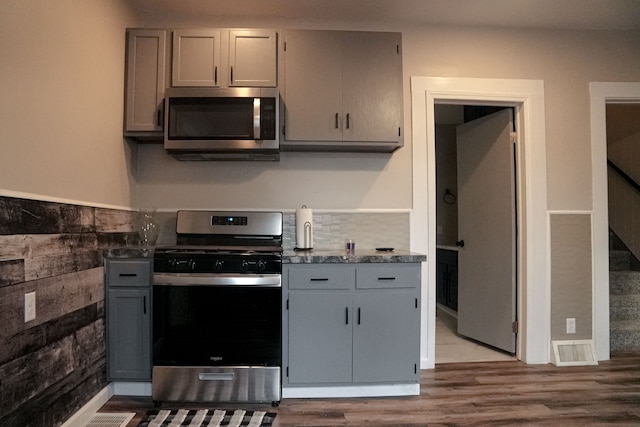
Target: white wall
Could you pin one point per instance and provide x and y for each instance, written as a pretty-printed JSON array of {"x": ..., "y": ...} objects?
[
  {"x": 61, "y": 80},
  {"x": 565, "y": 60},
  {"x": 62, "y": 77}
]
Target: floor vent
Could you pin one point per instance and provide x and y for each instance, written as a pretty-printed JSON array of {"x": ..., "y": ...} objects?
[
  {"x": 574, "y": 353},
  {"x": 115, "y": 419}
]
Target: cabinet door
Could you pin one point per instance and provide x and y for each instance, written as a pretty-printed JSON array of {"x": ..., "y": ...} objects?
[
  {"x": 145, "y": 80},
  {"x": 313, "y": 85},
  {"x": 372, "y": 87},
  {"x": 386, "y": 336},
  {"x": 252, "y": 58},
  {"x": 129, "y": 334},
  {"x": 320, "y": 337},
  {"x": 196, "y": 58}
]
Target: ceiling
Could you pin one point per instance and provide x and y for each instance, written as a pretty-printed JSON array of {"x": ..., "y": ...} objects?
[{"x": 552, "y": 14}]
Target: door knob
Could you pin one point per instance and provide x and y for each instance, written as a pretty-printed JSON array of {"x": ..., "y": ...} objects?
[{"x": 460, "y": 243}]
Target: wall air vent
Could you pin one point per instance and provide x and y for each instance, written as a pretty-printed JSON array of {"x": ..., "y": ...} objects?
[
  {"x": 574, "y": 353},
  {"x": 115, "y": 419}
]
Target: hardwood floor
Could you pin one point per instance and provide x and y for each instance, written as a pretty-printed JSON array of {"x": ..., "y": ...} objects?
[{"x": 481, "y": 394}]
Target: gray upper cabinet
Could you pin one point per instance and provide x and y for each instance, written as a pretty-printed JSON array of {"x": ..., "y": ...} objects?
[
  {"x": 253, "y": 58},
  {"x": 342, "y": 90},
  {"x": 145, "y": 81},
  {"x": 196, "y": 58},
  {"x": 222, "y": 58}
]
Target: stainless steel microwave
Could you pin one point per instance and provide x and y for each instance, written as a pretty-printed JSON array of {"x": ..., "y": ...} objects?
[{"x": 222, "y": 124}]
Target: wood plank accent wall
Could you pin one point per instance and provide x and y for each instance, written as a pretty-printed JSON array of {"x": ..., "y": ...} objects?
[{"x": 51, "y": 366}]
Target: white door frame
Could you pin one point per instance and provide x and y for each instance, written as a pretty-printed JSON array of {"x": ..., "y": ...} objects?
[
  {"x": 533, "y": 246},
  {"x": 602, "y": 94}
]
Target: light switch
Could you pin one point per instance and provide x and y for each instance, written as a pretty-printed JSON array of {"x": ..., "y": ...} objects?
[{"x": 29, "y": 306}]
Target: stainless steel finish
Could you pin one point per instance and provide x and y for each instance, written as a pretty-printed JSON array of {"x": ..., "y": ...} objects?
[
  {"x": 222, "y": 279},
  {"x": 228, "y": 149},
  {"x": 200, "y": 92},
  {"x": 256, "y": 117},
  {"x": 216, "y": 384},
  {"x": 230, "y": 156},
  {"x": 240, "y": 236},
  {"x": 258, "y": 223}
]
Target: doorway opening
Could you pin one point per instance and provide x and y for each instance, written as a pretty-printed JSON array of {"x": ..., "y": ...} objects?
[
  {"x": 475, "y": 171},
  {"x": 602, "y": 94},
  {"x": 533, "y": 344}
]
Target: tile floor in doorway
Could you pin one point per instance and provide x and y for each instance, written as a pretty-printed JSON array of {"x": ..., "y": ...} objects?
[{"x": 453, "y": 348}]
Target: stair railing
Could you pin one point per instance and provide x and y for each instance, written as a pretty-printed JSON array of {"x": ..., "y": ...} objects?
[
  {"x": 621, "y": 218},
  {"x": 624, "y": 175}
]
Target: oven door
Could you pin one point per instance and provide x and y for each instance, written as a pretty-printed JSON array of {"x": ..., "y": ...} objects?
[{"x": 217, "y": 320}]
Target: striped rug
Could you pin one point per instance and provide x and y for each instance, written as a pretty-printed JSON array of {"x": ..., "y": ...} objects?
[{"x": 207, "y": 417}]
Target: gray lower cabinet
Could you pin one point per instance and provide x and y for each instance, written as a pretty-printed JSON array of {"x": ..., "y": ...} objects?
[
  {"x": 351, "y": 324},
  {"x": 128, "y": 319}
]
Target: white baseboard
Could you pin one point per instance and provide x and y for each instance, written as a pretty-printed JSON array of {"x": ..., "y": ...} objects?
[
  {"x": 352, "y": 391},
  {"x": 84, "y": 414}
]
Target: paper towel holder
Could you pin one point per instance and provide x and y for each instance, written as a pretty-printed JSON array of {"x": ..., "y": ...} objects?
[{"x": 307, "y": 236}]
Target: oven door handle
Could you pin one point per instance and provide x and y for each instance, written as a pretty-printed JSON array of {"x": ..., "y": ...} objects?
[{"x": 178, "y": 279}]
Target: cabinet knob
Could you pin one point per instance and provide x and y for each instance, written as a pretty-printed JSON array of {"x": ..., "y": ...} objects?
[{"x": 460, "y": 243}]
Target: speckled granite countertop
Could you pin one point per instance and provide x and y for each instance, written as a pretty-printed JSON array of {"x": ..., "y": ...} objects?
[
  {"x": 129, "y": 252},
  {"x": 299, "y": 257},
  {"x": 344, "y": 257}
]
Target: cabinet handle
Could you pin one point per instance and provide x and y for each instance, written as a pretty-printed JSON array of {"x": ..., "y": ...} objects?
[
  {"x": 231, "y": 72},
  {"x": 321, "y": 279},
  {"x": 144, "y": 305},
  {"x": 348, "y": 116},
  {"x": 215, "y": 75},
  {"x": 337, "y": 124},
  {"x": 346, "y": 315},
  {"x": 359, "y": 315},
  {"x": 128, "y": 274},
  {"x": 386, "y": 278}
]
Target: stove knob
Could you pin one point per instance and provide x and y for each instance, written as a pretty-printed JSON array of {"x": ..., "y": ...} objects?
[
  {"x": 244, "y": 265},
  {"x": 191, "y": 265},
  {"x": 217, "y": 265},
  {"x": 262, "y": 265}
]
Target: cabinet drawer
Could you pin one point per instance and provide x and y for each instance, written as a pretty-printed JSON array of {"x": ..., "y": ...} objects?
[
  {"x": 130, "y": 272},
  {"x": 322, "y": 277},
  {"x": 372, "y": 276}
]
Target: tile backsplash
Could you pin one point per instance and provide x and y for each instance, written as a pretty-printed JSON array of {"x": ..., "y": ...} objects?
[
  {"x": 331, "y": 229},
  {"x": 368, "y": 229}
]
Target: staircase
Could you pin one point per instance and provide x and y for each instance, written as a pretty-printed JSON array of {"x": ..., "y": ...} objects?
[{"x": 624, "y": 298}]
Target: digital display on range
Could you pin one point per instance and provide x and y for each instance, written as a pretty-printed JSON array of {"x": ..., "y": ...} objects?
[{"x": 228, "y": 220}]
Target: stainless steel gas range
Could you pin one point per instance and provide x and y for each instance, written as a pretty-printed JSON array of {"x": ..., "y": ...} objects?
[{"x": 217, "y": 309}]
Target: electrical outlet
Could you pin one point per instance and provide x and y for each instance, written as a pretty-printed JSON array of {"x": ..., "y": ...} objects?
[
  {"x": 571, "y": 325},
  {"x": 29, "y": 306}
]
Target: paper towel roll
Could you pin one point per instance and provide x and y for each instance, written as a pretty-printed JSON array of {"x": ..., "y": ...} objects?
[{"x": 304, "y": 228}]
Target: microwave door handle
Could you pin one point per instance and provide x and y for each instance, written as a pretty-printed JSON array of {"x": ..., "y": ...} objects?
[{"x": 256, "y": 118}]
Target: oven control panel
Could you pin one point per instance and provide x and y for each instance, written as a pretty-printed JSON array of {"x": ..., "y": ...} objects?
[
  {"x": 217, "y": 263},
  {"x": 228, "y": 220}
]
